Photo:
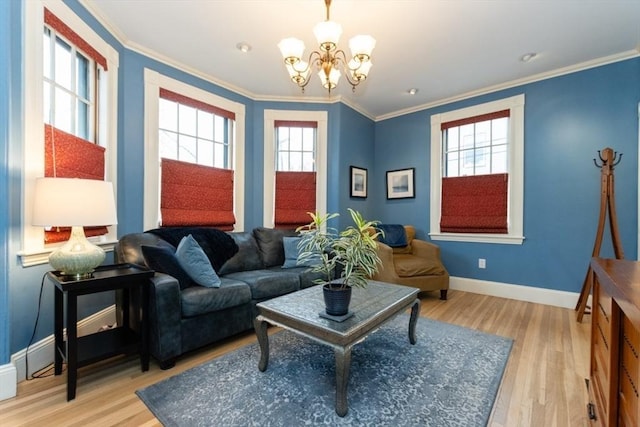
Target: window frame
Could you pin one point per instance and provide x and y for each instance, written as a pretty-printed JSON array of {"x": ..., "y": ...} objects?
[
  {"x": 270, "y": 118},
  {"x": 515, "y": 169},
  {"x": 34, "y": 251},
  {"x": 153, "y": 81}
]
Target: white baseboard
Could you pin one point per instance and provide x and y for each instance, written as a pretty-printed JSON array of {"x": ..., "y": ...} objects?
[
  {"x": 41, "y": 353},
  {"x": 517, "y": 292},
  {"x": 8, "y": 381}
]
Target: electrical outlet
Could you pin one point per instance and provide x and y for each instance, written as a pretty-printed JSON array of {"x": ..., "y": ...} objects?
[{"x": 482, "y": 263}]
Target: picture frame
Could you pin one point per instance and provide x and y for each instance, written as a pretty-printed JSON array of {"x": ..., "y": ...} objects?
[
  {"x": 358, "y": 182},
  {"x": 401, "y": 184}
]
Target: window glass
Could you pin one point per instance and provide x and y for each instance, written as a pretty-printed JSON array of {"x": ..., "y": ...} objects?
[{"x": 295, "y": 149}]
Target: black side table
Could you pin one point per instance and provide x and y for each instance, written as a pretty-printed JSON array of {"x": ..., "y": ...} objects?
[{"x": 122, "y": 339}]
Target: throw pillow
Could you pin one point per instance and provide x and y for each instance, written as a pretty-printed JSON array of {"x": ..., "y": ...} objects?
[
  {"x": 195, "y": 262},
  {"x": 291, "y": 254},
  {"x": 163, "y": 260}
]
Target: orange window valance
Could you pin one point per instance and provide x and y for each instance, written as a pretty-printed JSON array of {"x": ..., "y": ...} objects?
[
  {"x": 295, "y": 197},
  {"x": 474, "y": 204},
  {"x": 196, "y": 195}
]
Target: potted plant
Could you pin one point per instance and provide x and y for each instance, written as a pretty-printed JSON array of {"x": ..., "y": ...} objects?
[{"x": 346, "y": 259}]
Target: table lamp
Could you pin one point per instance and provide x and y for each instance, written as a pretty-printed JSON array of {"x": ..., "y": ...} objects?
[{"x": 75, "y": 203}]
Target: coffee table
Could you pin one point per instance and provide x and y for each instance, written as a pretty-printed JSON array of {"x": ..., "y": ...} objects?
[{"x": 299, "y": 312}]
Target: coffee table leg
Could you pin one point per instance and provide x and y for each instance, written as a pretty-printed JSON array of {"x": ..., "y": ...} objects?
[
  {"x": 263, "y": 339},
  {"x": 343, "y": 363},
  {"x": 415, "y": 310}
]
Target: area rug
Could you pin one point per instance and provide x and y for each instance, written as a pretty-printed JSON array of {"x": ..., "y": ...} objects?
[{"x": 450, "y": 377}]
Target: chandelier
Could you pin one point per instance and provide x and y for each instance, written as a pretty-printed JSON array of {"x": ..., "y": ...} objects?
[{"x": 329, "y": 59}]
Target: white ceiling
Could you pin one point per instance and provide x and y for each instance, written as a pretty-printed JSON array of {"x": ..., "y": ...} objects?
[{"x": 445, "y": 48}]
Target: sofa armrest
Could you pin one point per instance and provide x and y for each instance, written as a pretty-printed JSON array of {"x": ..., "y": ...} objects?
[
  {"x": 427, "y": 250},
  {"x": 386, "y": 270},
  {"x": 165, "y": 317}
]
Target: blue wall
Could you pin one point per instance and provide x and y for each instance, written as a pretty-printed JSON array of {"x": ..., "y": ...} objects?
[{"x": 567, "y": 120}]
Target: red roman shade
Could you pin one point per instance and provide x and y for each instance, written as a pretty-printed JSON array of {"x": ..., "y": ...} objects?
[
  {"x": 295, "y": 197},
  {"x": 196, "y": 195},
  {"x": 60, "y": 27},
  {"x": 68, "y": 156},
  {"x": 295, "y": 124},
  {"x": 475, "y": 119},
  {"x": 474, "y": 204}
]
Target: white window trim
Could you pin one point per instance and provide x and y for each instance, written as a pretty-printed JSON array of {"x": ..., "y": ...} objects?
[
  {"x": 153, "y": 81},
  {"x": 270, "y": 117},
  {"x": 34, "y": 251},
  {"x": 515, "y": 236}
]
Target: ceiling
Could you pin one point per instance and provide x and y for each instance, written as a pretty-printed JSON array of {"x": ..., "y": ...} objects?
[{"x": 447, "y": 49}]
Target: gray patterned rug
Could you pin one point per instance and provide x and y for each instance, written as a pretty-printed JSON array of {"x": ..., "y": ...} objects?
[{"x": 449, "y": 378}]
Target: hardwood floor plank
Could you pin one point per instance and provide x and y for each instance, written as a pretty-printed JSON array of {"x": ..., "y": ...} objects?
[{"x": 543, "y": 383}]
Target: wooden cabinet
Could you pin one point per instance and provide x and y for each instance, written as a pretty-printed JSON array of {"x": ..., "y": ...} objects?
[{"x": 614, "y": 380}]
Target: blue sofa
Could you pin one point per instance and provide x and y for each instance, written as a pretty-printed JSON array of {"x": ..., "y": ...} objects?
[{"x": 183, "y": 318}]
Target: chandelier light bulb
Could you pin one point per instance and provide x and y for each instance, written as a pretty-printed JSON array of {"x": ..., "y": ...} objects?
[
  {"x": 327, "y": 34},
  {"x": 291, "y": 49},
  {"x": 361, "y": 47}
]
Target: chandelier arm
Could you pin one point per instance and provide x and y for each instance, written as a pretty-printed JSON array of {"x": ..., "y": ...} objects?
[{"x": 340, "y": 59}]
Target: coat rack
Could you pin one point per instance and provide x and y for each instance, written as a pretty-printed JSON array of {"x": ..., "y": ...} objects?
[{"x": 609, "y": 159}]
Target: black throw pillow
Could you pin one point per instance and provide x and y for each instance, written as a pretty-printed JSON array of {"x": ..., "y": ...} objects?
[{"x": 163, "y": 260}]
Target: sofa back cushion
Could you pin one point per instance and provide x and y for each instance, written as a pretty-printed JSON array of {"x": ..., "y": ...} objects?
[
  {"x": 128, "y": 249},
  {"x": 270, "y": 244},
  {"x": 248, "y": 256}
]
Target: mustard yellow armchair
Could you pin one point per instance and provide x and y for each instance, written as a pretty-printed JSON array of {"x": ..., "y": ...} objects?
[{"x": 418, "y": 264}]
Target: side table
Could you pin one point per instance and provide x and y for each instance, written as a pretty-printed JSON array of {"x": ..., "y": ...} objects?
[{"x": 82, "y": 351}]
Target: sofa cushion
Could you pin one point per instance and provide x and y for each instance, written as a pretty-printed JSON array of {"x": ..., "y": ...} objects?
[
  {"x": 163, "y": 260},
  {"x": 271, "y": 245},
  {"x": 267, "y": 284},
  {"x": 409, "y": 266},
  {"x": 198, "y": 300},
  {"x": 292, "y": 252},
  {"x": 247, "y": 258},
  {"x": 305, "y": 275},
  {"x": 195, "y": 262}
]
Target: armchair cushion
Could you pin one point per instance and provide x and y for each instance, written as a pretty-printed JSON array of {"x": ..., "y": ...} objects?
[{"x": 408, "y": 265}]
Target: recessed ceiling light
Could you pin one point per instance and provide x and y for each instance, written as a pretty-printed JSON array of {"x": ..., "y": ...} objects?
[
  {"x": 412, "y": 91},
  {"x": 528, "y": 56},
  {"x": 243, "y": 47}
]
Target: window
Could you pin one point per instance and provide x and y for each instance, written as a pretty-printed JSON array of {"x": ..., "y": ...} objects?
[
  {"x": 73, "y": 92},
  {"x": 295, "y": 141},
  {"x": 295, "y": 183},
  {"x": 189, "y": 134},
  {"x": 194, "y": 132},
  {"x": 477, "y": 155}
]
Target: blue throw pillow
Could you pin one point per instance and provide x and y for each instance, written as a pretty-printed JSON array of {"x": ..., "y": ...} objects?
[
  {"x": 196, "y": 263},
  {"x": 291, "y": 253},
  {"x": 163, "y": 260}
]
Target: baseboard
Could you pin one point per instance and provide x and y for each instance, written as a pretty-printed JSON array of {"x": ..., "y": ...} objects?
[
  {"x": 41, "y": 353},
  {"x": 8, "y": 381},
  {"x": 552, "y": 297}
]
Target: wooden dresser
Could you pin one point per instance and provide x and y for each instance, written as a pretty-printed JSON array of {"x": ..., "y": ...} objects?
[{"x": 614, "y": 379}]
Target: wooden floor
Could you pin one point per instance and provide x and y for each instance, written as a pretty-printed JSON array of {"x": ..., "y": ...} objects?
[{"x": 543, "y": 384}]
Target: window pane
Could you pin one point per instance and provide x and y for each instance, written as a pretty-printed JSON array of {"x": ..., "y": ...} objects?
[
  {"x": 219, "y": 125},
  {"x": 283, "y": 161},
  {"x": 452, "y": 164},
  {"x": 219, "y": 156},
  {"x": 483, "y": 165},
  {"x": 82, "y": 76},
  {"x": 499, "y": 129},
  {"x": 283, "y": 139},
  {"x": 63, "y": 110},
  {"x": 63, "y": 64},
  {"x": 187, "y": 120},
  {"x": 46, "y": 103},
  {"x": 82, "y": 119},
  {"x": 205, "y": 152},
  {"x": 308, "y": 165},
  {"x": 168, "y": 145},
  {"x": 46, "y": 53},
  {"x": 205, "y": 125},
  {"x": 168, "y": 115},
  {"x": 499, "y": 159},
  {"x": 452, "y": 136},
  {"x": 187, "y": 148},
  {"x": 295, "y": 161},
  {"x": 467, "y": 135},
  {"x": 295, "y": 139},
  {"x": 483, "y": 133},
  {"x": 467, "y": 162},
  {"x": 308, "y": 139}
]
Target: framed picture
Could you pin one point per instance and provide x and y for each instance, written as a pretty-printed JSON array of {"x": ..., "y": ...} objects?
[
  {"x": 358, "y": 182},
  {"x": 400, "y": 184}
]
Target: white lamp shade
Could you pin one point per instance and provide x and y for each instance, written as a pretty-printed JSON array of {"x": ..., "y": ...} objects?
[
  {"x": 361, "y": 46},
  {"x": 360, "y": 70},
  {"x": 327, "y": 33},
  {"x": 291, "y": 48},
  {"x": 334, "y": 77},
  {"x": 73, "y": 202},
  {"x": 299, "y": 72}
]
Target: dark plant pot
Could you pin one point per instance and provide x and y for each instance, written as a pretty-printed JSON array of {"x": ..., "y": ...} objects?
[{"x": 336, "y": 299}]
